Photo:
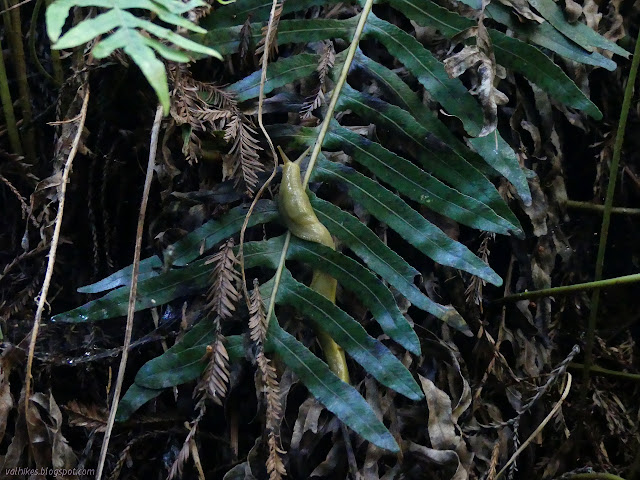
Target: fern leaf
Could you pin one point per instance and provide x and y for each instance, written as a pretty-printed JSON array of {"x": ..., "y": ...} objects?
[
  {"x": 130, "y": 33},
  {"x": 215, "y": 378},
  {"x": 223, "y": 294},
  {"x": 257, "y": 315}
]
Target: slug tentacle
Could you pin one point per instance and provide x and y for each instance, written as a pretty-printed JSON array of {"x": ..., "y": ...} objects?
[{"x": 301, "y": 220}]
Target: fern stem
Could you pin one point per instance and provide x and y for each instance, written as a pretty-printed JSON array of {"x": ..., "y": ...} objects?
[
  {"x": 13, "y": 26},
  {"x": 324, "y": 128},
  {"x": 606, "y": 217},
  {"x": 7, "y": 108},
  {"x": 32, "y": 44},
  {"x": 593, "y": 476},
  {"x": 153, "y": 148},
  {"x": 605, "y": 371},
  {"x": 56, "y": 62},
  {"x": 567, "y": 289},
  {"x": 263, "y": 81},
  {"x": 318, "y": 146},
  {"x": 592, "y": 207}
]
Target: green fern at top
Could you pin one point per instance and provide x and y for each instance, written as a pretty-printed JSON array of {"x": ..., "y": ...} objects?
[{"x": 132, "y": 34}]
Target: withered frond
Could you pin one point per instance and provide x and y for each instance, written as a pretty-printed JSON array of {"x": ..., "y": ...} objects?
[
  {"x": 257, "y": 315},
  {"x": 185, "y": 451},
  {"x": 245, "y": 39},
  {"x": 244, "y": 151},
  {"x": 87, "y": 416},
  {"x": 269, "y": 36},
  {"x": 275, "y": 465},
  {"x": 205, "y": 106},
  {"x": 473, "y": 292},
  {"x": 327, "y": 60},
  {"x": 214, "y": 383},
  {"x": 223, "y": 294},
  {"x": 271, "y": 389}
]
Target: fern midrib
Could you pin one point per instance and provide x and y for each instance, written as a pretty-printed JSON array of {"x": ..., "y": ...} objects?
[
  {"x": 417, "y": 233},
  {"x": 362, "y": 285},
  {"x": 449, "y": 204},
  {"x": 325, "y": 385}
]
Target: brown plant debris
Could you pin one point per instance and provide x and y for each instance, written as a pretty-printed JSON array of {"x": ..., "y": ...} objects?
[
  {"x": 205, "y": 106},
  {"x": 258, "y": 325},
  {"x": 269, "y": 36},
  {"x": 327, "y": 60},
  {"x": 223, "y": 294}
]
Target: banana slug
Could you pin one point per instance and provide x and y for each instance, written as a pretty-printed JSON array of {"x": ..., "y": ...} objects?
[{"x": 301, "y": 220}]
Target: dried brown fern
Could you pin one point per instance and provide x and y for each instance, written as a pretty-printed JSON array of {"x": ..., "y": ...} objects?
[
  {"x": 257, "y": 316},
  {"x": 473, "y": 292},
  {"x": 214, "y": 383},
  {"x": 269, "y": 35},
  {"x": 327, "y": 60},
  {"x": 223, "y": 294},
  {"x": 185, "y": 451},
  {"x": 216, "y": 110},
  {"x": 270, "y": 387}
]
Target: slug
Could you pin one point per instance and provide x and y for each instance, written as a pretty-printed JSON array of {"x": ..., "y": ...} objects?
[{"x": 301, "y": 220}]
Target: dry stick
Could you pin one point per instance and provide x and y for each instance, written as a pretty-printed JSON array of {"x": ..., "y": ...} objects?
[
  {"x": 42, "y": 298},
  {"x": 606, "y": 218},
  {"x": 533, "y": 435},
  {"x": 263, "y": 80},
  {"x": 132, "y": 292}
]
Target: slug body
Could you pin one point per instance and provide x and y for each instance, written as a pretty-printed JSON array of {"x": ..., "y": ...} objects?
[{"x": 301, "y": 220}]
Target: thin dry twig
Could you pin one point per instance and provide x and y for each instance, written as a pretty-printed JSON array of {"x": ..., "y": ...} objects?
[
  {"x": 132, "y": 292},
  {"x": 273, "y": 21},
  {"x": 42, "y": 298},
  {"x": 533, "y": 435}
]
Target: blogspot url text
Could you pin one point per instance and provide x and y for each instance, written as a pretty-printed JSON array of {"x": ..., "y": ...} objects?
[{"x": 47, "y": 471}]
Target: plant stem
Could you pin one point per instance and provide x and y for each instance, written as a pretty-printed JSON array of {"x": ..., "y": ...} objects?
[
  {"x": 42, "y": 298},
  {"x": 606, "y": 217},
  {"x": 56, "y": 63},
  {"x": 7, "y": 108},
  {"x": 567, "y": 289},
  {"x": 342, "y": 79},
  {"x": 32, "y": 44},
  {"x": 605, "y": 371},
  {"x": 13, "y": 26},
  {"x": 592, "y": 207},
  {"x": 133, "y": 289},
  {"x": 323, "y": 131},
  {"x": 594, "y": 476}
]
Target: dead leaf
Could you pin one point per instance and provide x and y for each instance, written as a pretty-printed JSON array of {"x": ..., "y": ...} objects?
[
  {"x": 442, "y": 431},
  {"x": 439, "y": 457},
  {"x": 481, "y": 61},
  {"x": 6, "y": 400},
  {"x": 523, "y": 10},
  {"x": 48, "y": 445},
  {"x": 87, "y": 416}
]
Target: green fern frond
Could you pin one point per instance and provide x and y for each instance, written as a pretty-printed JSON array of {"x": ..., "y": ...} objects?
[
  {"x": 133, "y": 34},
  {"x": 416, "y": 162}
]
